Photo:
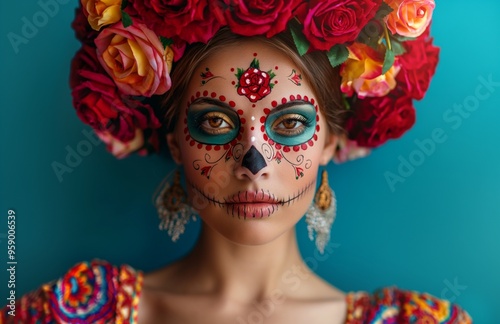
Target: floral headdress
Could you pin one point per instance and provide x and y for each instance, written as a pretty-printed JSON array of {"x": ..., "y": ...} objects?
[{"x": 129, "y": 48}]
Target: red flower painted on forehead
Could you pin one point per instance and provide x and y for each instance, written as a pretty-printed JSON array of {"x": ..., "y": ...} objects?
[{"x": 254, "y": 83}]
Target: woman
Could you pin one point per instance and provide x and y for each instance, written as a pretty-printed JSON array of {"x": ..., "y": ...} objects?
[{"x": 250, "y": 121}]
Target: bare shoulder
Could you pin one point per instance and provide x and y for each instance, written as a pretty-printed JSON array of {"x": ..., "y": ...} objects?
[{"x": 156, "y": 285}]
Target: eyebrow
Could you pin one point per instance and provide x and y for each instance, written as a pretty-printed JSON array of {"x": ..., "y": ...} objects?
[
  {"x": 222, "y": 104},
  {"x": 290, "y": 104},
  {"x": 211, "y": 101}
]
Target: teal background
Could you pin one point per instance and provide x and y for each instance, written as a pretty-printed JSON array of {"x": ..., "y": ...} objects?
[{"x": 440, "y": 225}]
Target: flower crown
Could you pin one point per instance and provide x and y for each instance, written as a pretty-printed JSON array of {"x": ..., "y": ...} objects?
[{"x": 129, "y": 48}]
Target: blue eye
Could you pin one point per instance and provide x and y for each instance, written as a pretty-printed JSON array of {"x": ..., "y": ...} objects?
[
  {"x": 213, "y": 125},
  {"x": 292, "y": 126}
]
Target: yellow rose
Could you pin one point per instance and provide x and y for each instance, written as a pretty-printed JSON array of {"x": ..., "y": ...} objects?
[
  {"x": 362, "y": 73},
  {"x": 102, "y": 12},
  {"x": 410, "y": 18}
]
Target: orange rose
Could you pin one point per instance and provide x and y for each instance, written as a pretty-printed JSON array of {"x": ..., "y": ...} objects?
[
  {"x": 362, "y": 73},
  {"x": 135, "y": 58},
  {"x": 410, "y": 18},
  {"x": 102, "y": 12}
]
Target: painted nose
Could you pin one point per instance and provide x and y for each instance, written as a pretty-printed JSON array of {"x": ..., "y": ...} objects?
[{"x": 253, "y": 161}]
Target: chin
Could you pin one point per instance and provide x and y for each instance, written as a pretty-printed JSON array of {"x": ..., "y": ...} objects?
[{"x": 252, "y": 231}]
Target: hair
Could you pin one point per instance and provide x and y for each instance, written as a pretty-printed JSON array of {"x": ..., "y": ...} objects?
[{"x": 315, "y": 68}]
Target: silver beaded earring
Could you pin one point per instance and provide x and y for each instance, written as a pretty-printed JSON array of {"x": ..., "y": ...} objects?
[
  {"x": 173, "y": 210},
  {"x": 321, "y": 214}
]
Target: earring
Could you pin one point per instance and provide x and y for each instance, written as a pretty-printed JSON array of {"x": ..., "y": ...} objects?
[
  {"x": 173, "y": 210},
  {"x": 321, "y": 214}
]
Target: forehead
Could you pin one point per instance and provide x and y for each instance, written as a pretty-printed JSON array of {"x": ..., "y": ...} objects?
[
  {"x": 219, "y": 71},
  {"x": 239, "y": 53}
]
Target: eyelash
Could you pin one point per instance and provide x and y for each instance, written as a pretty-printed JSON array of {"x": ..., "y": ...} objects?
[
  {"x": 294, "y": 131},
  {"x": 214, "y": 131}
]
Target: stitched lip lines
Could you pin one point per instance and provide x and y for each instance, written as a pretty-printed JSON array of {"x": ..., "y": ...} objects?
[{"x": 252, "y": 203}]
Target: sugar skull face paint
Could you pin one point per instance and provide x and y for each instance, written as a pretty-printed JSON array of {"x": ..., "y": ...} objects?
[{"x": 250, "y": 158}]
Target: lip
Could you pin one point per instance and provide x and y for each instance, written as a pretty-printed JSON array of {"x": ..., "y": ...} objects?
[
  {"x": 258, "y": 197},
  {"x": 252, "y": 210}
]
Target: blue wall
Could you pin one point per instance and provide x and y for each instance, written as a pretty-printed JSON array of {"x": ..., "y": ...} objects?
[{"x": 440, "y": 226}]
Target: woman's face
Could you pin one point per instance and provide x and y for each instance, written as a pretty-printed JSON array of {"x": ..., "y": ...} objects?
[{"x": 250, "y": 137}]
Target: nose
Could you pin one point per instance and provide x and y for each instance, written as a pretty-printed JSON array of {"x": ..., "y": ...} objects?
[{"x": 252, "y": 166}]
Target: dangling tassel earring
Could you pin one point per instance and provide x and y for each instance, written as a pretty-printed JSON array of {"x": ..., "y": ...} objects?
[
  {"x": 173, "y": 209},
  {"x": 321, "y": 214}
]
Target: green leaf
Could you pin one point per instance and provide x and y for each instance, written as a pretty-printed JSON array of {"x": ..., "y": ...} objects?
[
  {"x": 397, "y": 48},
  {"x": 124, "y": 4},
  {"x": 299, "y": 39},
  {"x": 166, "y": 41},
  {"x": 238, "y": 75},
  {"x": 388, "y": 61},
  {"x": 383, "y": 11},
  {"x": 126, "y": 20},
  {"x": 337, "y": 55},
  {"x": 255, "y": 64}
]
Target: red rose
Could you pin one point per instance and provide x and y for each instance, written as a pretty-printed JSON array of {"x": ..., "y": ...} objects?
[
  {"x": 418, "y": 65},
  {"x": 254, "y": 84},
  {"x": 255, "y": 17},
  {"x": 83, "y": 31},
  {"x": 333, "y": 22},
  {"x": 189, "y": 20},
  {"x": 99, "y": 103},
  {"x": 377, "y": 119}
]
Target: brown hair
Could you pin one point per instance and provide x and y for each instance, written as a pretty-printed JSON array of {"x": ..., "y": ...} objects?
[{"x": 315, "y": 68}]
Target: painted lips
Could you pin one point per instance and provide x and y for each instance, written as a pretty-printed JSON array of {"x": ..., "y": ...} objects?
[
  {"x": 252, "y": 210},
  {"x": 252, "y": 204}
]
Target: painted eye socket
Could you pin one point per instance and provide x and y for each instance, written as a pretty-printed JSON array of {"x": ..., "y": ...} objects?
[
  {"x": 213, "y": 125},
  {"x": 291, "y": 126}
]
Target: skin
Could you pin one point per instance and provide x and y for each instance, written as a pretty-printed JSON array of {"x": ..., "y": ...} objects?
[{"x": 246, "y": 261}]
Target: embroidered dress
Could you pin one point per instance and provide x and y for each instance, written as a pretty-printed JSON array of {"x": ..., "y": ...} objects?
[{"x": 98, "y": 292}]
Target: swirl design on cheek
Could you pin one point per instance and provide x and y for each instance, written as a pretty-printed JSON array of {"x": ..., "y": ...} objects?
[{"x": 268, "y": 151}]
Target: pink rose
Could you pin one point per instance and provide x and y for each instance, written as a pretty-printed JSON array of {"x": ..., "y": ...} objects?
[
  {"x": 410, "y": 18},
  {"x": 135, "y": 59},
  {"x": 333, "y": 22},
  {"x": 122, "y": 149},
  {"x": 348, "y": 150}
]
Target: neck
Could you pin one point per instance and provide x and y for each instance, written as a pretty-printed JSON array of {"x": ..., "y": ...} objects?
[{"x": 219, "y": 266}]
